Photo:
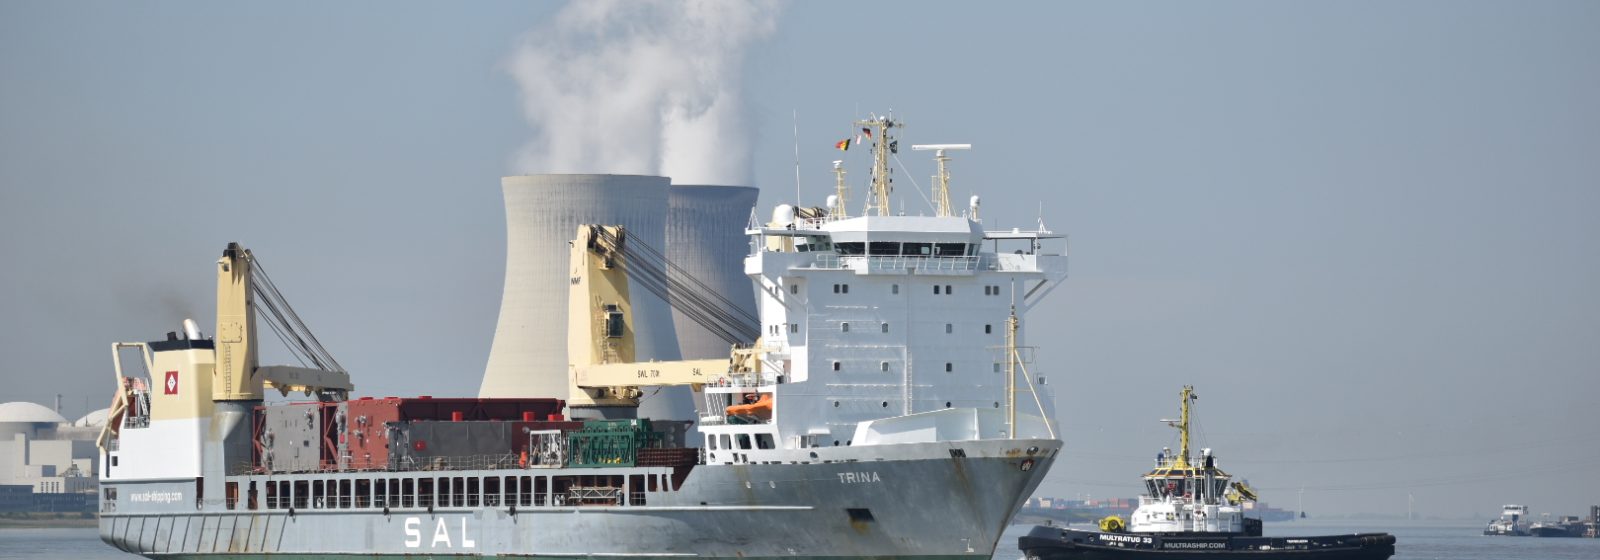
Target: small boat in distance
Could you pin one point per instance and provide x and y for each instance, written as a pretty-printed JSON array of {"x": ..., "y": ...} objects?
[
  {"x": 1193, "y": 511},
  {"x": 1511, "y": 522}
]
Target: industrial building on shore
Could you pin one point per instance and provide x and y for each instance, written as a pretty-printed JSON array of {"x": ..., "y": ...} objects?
[{"x": 47, "y": 463}]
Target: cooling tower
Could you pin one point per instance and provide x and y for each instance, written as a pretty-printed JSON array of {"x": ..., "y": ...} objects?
[
  {"x": 705, "y": 238},
  {"x": 529, "y": 355}
]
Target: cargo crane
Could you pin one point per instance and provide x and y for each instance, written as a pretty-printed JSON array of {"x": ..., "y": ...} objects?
[
  {"x": 605, "y": 380},
  {"x": 228, "y": 366}
]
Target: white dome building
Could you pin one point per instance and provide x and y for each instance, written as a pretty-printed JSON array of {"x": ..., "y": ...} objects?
[
  {"x": 30, "y": 419},
  {"x": 96, "y": 419}
]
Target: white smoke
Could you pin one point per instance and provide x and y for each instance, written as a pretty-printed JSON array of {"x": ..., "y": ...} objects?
[{"x": 640, "y": 87}]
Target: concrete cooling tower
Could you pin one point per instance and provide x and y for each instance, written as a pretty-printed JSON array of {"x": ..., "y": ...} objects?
[
  {"x": 705, "y": 238},
  {"x": 529, "y": 354}
]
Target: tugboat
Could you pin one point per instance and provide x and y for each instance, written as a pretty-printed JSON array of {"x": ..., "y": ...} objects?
[
  {"x": 1510, "y": 523},
  {"x": 1193, "y": 510}
]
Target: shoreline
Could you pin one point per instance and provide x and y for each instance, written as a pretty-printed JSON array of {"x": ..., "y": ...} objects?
[{"x": 47, "y": 521}]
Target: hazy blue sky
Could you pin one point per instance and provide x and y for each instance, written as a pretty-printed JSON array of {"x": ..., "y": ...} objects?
[{"x": 1368, "y": 232}]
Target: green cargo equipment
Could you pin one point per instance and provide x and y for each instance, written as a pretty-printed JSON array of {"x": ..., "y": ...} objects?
[{"x": 610, "y": 443}]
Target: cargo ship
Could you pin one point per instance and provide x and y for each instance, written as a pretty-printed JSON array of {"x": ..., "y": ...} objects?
[
  {"x": 886, "y": 410},
  {"x": 1191, "y": 511},
  {"x": 1512, "y": 522}
]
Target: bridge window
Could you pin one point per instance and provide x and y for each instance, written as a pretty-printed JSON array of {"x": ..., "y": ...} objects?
[
  {"x": 917, "y": 249},
  {"x": 950, "y": 249},
  {"x": 764, "y": 441},
  {"x": 883, "y": 248},
  {"x": 744, "y": 441},
  {"x": 856, "y": 248}
]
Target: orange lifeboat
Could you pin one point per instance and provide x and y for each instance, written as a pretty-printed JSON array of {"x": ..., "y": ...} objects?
[{"x": 761, "y": 409}]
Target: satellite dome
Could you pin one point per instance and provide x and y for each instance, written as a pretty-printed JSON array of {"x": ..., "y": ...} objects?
[
  {"x": 93, "y": 419},
  {"x": 28, "y": 413}
]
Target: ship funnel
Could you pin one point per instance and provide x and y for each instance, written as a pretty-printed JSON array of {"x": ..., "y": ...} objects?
[{"x": 191, "y": 329}]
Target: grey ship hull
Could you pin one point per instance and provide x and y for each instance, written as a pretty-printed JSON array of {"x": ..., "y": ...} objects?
[{"x": 910, "y": 501}]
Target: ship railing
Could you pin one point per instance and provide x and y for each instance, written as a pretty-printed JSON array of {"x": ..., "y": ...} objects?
[
  {"x": 891, "y": 263},
  {"x": 749, "y": 381}
]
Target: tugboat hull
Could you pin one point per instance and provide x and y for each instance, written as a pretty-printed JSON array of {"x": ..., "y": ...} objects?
[{"x": 1051, "y": 543}]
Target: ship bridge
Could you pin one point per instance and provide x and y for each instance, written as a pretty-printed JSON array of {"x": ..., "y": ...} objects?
[
  {"x": 954, "y": 245},
  {"x": 886, "y": 329}
]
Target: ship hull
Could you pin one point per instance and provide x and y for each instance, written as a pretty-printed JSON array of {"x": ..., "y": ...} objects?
[
  {"x": 914, "y": 501},
  {"x": 1049, "y": 543}
]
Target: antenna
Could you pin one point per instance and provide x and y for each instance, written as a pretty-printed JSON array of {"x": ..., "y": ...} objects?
[
  {"x": 795, "y": 113},
  {"x": 941, "y": 182}
]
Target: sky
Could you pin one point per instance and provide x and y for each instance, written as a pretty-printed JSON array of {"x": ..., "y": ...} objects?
[{"x": 1367, "y": 232}]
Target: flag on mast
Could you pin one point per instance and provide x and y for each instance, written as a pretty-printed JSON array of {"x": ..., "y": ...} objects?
[{"x": 843, "y": 145}]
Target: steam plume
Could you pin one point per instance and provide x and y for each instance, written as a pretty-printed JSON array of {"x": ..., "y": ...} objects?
[{"x": 640, "y": 87}]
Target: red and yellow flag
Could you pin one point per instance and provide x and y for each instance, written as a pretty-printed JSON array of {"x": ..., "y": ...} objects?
[{"x": 843, "y": 145}]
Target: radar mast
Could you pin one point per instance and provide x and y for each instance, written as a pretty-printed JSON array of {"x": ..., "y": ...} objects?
[{"x": 883, "y": 146}]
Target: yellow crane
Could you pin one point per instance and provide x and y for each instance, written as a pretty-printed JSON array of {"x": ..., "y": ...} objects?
[{"x": 604, "y": 372}]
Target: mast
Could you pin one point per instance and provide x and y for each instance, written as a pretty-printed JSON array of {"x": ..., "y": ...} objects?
[
  {"x": 883, "y": 145},
  {"x": 840, "y": 191},
  {"x": 941, "y": 182},
  {"x": 1011, "y": 373},
  {"x": 1182, "y": 424}
]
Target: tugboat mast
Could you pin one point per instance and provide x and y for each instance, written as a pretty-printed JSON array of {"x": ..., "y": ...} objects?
[{"x": 1182, "y": 461}]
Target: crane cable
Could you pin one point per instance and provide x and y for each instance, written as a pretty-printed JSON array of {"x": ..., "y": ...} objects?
[
  {"x": 649, "y": 268},
  {"x": 286, "y": 323}
]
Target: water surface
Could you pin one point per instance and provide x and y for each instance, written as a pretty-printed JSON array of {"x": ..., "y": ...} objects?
[{"x": 1417, "y": 541}]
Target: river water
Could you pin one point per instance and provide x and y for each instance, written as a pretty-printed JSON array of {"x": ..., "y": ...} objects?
[{"x": 1417, "y": 541}]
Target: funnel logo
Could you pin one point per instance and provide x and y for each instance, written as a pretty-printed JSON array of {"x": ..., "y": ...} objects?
[{"x": 171, "y": 385}]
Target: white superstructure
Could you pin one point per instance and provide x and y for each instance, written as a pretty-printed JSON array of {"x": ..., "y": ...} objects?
[{"x": 883, "y": 329}]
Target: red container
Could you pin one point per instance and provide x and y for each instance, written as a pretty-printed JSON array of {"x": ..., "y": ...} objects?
[{"x": 367, "y": 433}]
